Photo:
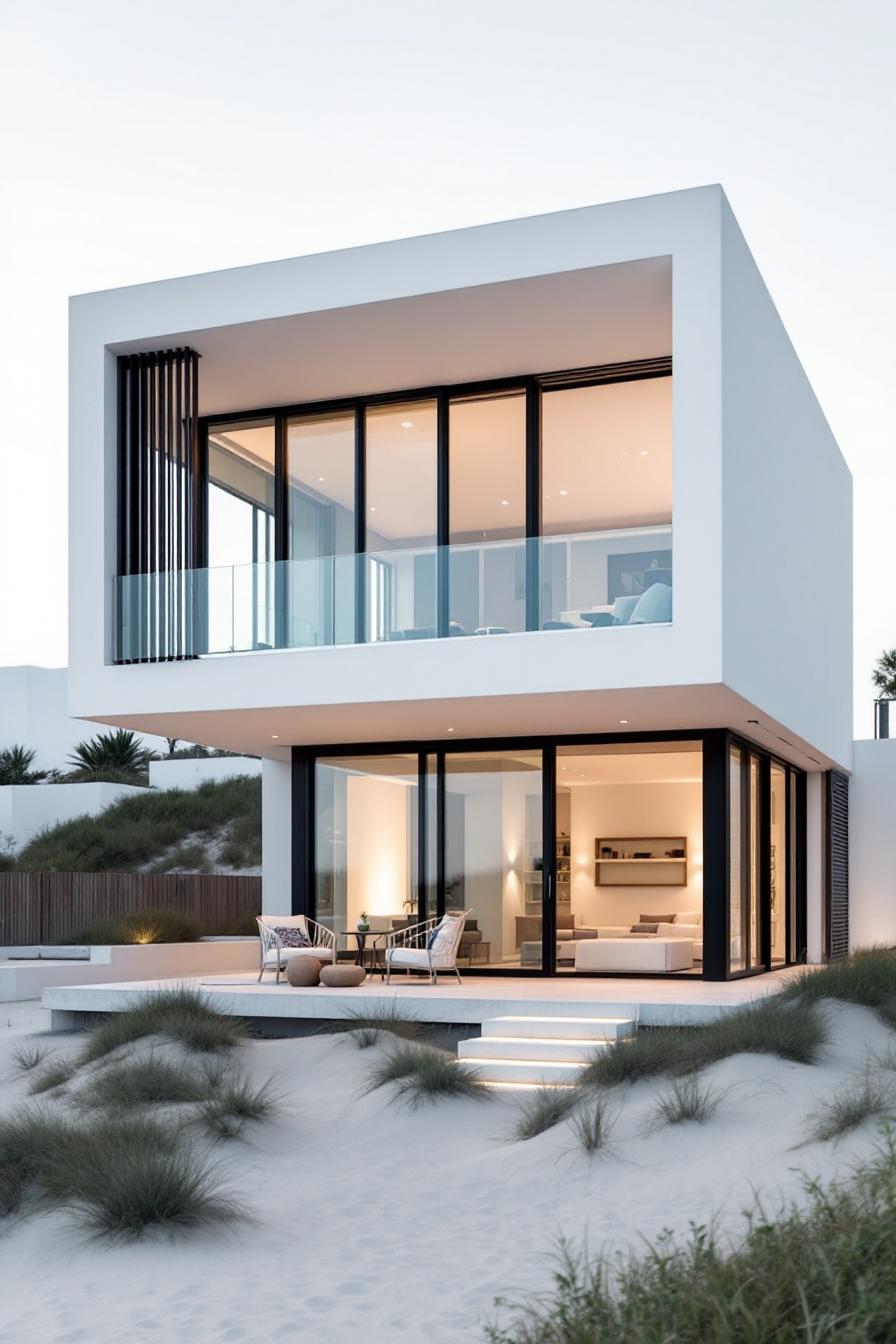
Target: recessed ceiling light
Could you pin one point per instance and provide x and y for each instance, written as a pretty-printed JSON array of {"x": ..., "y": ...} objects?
[
  {"x": 643, "y": 452},
  {"x": 505, "y": 502},
  {"x": 407, "y": 424},
  {"x": 275, "y": 736},
  {"x": 564, "y": 492},
  {"x": 320, "y": 478},
  {"x": 451, "y": 730},
  {"x": 373, "y": 508},
  {"x": 623, "y": 720}
]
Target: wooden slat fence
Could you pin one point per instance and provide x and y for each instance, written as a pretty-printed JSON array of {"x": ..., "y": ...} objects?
[{"x": 45, "y": 907}]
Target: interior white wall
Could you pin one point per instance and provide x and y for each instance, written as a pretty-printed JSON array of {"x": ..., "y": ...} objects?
[
  {"x": 787, "y": 522},
  {"x": 378, "y": 850},
  {"x": 872, "y": 844},
  {"x": 276, "y": 837},
  {"x": 616, "y": 810}
]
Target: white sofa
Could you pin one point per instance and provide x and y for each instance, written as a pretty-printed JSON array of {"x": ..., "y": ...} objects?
[{"x": 648, "y": 954}]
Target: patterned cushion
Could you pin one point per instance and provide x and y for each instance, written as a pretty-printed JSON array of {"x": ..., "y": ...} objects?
[{"x": 291, "y": 936}]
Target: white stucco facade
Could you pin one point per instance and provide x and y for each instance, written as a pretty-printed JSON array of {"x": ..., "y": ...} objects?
[{"x": 761, "y": 631}]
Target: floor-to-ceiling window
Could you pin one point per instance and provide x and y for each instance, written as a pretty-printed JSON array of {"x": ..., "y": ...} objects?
[
  {"x": 240, "y": 542},
  {"x": 320, "y": 580},
  {"x": 629, "y": 857},
  {"x": 606, "y": 500},
  {"x": 494, "y": 852},
  {"x": 401, "y": 520},
  {"x": 487, "y": 512},
  {"x": 366, "y": 840}
]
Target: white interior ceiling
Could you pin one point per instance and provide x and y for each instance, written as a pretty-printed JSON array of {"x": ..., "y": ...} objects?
[
  {"x": 658, "y": 765},
  {"x": 570, "y": 319}
]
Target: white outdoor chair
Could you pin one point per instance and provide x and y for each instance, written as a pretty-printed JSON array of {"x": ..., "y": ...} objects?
[
  {"x": 429, "y": 947},
  {"x": 274, "y": 955}
]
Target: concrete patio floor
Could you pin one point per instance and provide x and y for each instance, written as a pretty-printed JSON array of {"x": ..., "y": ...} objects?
[{"x": 648, "y": 1001}]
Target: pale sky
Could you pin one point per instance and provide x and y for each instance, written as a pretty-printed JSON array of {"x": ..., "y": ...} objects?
[{"x": 138, "y": 142}]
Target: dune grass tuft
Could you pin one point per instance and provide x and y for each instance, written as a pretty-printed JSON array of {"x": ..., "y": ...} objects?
[
  {"x": 146, "y": 1082},
  {"x": 592, "y": 1125},
  {"x": 235, "y": 1102},
  {"x": 54, "y": 1075},
  {"x": 366, "y": 1028},
  {"x": 29, "y": 1057},
  {"x": 121, "y": 1176},
  {"x": 824, "y": 1272},
  {"x": 792, "y": 1030},
  {"x": 141, "y": 926},
  {"x": 421, "y": 1074},
  {"x": 687, "y": 1101},
  {"x": 544, "y": 1109},
  {"x": 865, "y": 978},
  {"x": 183, "y": 1015},
  {"x": 855, "y": 1102}
]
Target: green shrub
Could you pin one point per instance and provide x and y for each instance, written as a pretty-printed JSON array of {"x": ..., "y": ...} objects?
[
  {"x": 854, "y": 1103},
  {"x": 773, "y": 1025},
  {"x": 544, "y": 1109},
  {"x": 186, "y": 858},
  {"x": 182, "y": 1015},
  {"x": 823, "y": 1273},
  {"x": 142, "y": 926},
  {"x": 420, "y": 1074},
  {"x": 865, "y": 978},
  {"x": 140, "y": 829}
]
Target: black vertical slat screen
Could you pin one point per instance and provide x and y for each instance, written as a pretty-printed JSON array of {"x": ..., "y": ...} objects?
[
  {"x": 160, "y": 515},
  {"x": 837, "y": 866}
]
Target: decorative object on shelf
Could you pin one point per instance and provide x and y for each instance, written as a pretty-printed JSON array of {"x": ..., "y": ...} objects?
[
  {"x": 641, "y": 861},
  {"x": 363, "y": 922}
]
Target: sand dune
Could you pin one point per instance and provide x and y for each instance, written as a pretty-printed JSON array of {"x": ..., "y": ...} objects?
[{"x": 374, "y": 1222}]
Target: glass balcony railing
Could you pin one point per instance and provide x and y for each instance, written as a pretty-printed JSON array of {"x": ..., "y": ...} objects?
[{"x": 585, "y": 580}]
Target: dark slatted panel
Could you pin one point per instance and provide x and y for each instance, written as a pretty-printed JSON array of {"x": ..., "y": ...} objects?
[
  {"x": 44, "y": 907},
  {"x": 837, "y": 874},
  {"x": 160, "y": 496}
]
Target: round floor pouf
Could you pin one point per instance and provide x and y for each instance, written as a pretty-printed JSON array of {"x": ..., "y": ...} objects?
[
  {"x": 302, "y": 972},
  {"x": 342, "y": 977}
]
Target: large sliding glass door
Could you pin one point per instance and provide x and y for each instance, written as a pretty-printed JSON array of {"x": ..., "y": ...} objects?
[{"x": 603, "y": 857}]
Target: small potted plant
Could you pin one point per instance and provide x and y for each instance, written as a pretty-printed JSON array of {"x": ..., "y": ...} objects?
[{"x": 363, "y": 922}]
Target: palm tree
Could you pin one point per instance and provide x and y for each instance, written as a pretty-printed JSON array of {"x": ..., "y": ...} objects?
[
  {"x": 15, "y": 766},
  {"x": 117, "y": 755},
  {"x": 884, "y": 674}
]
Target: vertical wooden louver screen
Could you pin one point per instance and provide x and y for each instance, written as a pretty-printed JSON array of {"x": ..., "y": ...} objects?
[
  {"x": 837, "y": 865},
  {"x": 160, "y": 507}
]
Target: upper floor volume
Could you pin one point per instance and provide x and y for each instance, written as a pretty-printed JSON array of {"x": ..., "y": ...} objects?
[
  {"x": 442, "y": 440},
  {"x": 537, "y": 502}
]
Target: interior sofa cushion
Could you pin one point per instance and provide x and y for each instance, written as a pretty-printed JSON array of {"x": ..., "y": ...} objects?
[
  {"x": 653, "y": 606},
  {"x": 656, "y": 919},
  {"x": 635, "y": 954},
  {"x": 647, "y": 928},
  {"x": 623, "y": 608}
]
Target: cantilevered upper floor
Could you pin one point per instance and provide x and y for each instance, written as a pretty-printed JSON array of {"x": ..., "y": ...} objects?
[{"x": 560, "y": 472}]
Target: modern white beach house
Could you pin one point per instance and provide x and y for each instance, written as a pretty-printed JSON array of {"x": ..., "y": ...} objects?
[{"x": 522, "y": 554}]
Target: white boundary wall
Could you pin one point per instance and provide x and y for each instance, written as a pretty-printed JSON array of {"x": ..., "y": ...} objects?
[
  {"x": 872, "y": 844},
  {"x": 26, "y": 809},
  {"x": 189, "y": 774}
]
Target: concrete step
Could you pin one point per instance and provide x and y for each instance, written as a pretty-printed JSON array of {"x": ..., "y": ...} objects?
[
  {"x": 565, "y": 1028},
  {"x": 542, "y": 1072},
  {"x": 537, "y": 1049}
]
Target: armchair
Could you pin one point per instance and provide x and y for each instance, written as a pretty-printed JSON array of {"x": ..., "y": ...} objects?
[
  {"x": 275, "y": 953},
  {"x": 430, "y": 946}
]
